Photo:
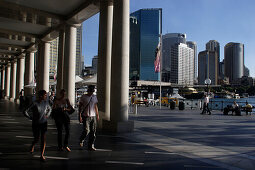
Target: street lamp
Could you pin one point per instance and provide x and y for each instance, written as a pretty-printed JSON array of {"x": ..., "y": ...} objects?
[{"x": 208, "y": 82}]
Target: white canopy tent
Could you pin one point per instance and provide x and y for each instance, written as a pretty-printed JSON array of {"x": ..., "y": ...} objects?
[
  {"x": 176, "y": 96},
  {"x": 90, "y": 81}
]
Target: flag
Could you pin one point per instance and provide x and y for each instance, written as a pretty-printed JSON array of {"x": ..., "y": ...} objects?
[{"x": 157, "y": 58}]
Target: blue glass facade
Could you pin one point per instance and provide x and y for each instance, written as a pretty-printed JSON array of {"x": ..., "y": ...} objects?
[{"x": 145, "y": 28}]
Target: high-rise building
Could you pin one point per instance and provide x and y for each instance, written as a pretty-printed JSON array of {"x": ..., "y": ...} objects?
[
  {"x": 182, "y": 64},
  {"x": 213, "y": 45},
  {"x": 221, "y": 69},
  {"x": 193, "y": 45},
  {"x": 169, "y": 40},
  {"x": 246, "y": 72},
  {"x": 145, "y": 30},
  {"x": 234, "y": 61},
  {"x": 177, "y": 60},
  {"x": 94, "y": 63},
  {"x": 53, "y": 56},
  {"x": 208, "y": 67},
  {"x": 79, "y": 66}
]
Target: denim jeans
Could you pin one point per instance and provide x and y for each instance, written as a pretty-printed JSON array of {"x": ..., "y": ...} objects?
[{"x": 89, "y": 130}]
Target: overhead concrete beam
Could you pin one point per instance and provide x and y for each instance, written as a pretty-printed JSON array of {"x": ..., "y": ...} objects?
[
  {"x": 83, "y": 12},
  {"x": 26, "y": 9},
  {"x": 11, "y": 45},
  {"x": 18, "y": 33}
]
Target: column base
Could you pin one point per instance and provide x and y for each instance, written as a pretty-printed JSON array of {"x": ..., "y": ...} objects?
[
  {"x": 117, "y": 127},
  {"x": 6, "y": 97},
  {"x": 12, "y": 99},
  {"x": 17, "y": 101}
]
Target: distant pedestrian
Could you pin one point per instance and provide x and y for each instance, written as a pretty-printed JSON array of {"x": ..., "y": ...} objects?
[
  {"x": 40, "y": 112},
  {"x": 52, "y": 98},
  {"x": 21, "y": 99},
  {"x": 248, "y": 108},
  {"x": 60, "y": 108},
  {"x": 206, "y": 105},
  {"x": 236, "y": 109},
  {"x": 88, "y": 115}
]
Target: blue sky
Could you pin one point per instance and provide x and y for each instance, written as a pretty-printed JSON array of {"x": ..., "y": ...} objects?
[{"x": 202, "y": 20}]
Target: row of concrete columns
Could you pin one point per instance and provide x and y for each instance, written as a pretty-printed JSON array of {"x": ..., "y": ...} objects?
[
  {"x": 113, "y": 64},
  {"x": 20, "y": 72}
]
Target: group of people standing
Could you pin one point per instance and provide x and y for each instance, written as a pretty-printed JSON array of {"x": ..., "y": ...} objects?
[{"x": 60, "y": 109}]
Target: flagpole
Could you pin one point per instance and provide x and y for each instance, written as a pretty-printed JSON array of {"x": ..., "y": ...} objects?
[{"x": 160, "y": 71}]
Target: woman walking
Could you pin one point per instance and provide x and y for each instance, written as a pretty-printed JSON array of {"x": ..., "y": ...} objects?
[
  {"x": 61, "y": 107},
  {"x": 40, "y": 113}
]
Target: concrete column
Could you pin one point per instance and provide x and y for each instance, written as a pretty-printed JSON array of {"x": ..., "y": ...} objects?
[
  {"x": 43, "y": 67},
  {"x": 7, "y": 80},
  {"x": 104, "y": 59},
  {"x": 2, "y": 77},
  {"x": 120, "y": 69},
  {"x": 61, "y": 48},
  {"x": 13, "y": 80},
  {"x": 20, "y": 75},
  {"x": 29, "y": 73},
  {"x": 69, "y": 62}
]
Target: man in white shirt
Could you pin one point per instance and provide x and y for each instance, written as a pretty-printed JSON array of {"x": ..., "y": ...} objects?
[
  {"x": 88, "y": 115},
  {"x": 205, "y": 107}
]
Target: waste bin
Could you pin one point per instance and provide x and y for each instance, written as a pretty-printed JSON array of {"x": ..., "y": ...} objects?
[
  {"x": 181, "y": 105},
  {"x": 172, "y": 105}
]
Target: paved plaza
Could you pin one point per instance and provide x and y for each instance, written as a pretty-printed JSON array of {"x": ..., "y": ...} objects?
[{"x": 162, "y": 139}]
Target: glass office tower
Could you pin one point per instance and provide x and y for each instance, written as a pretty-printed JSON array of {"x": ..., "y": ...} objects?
[{"x": 145, "y": 30}]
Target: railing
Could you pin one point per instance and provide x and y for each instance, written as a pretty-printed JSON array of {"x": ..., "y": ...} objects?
[{"x": 214, "y": 104}]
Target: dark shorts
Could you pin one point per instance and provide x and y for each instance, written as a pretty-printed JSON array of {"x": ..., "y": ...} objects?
[{"x": 39, "y": 129}]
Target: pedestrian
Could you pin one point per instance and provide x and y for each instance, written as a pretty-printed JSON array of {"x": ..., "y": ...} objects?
[
  {"x": 88, "y": 115},
  {"x": 248, "y": 108},
  {"x": 236, "y": 109},
  {"x": 21, "y": 99},
  {"x": 52, "y": 98},
  {"x": 40, "y": 112},
  {"x": 206, "y": 105},
  {"x": 61, "y": 108}
]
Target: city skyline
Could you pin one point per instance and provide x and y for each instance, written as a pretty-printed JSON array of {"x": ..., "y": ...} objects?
[{"x": 223, "y": 21}]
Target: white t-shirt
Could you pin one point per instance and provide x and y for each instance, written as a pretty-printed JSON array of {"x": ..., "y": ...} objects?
[
  {"x": 88, "y": 109},
  {"x": 206, "y": 100}
]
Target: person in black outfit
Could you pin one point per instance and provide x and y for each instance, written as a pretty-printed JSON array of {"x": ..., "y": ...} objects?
[
  {"x": 61, "y": 107},
  {"x": 21, "y": 99}
]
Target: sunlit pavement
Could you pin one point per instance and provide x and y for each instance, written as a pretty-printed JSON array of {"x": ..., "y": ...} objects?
[{"x": 162, "y": 139}]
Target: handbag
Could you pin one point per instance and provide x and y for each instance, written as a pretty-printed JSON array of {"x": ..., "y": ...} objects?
[{"x": 71, "y": 110}]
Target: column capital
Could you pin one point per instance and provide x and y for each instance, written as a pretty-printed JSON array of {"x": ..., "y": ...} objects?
[
  {"x": 21, "y": 56},
  {"x": 72, "y": 24},
  {"x": 32, "y": 50},
  {"x": 109, "y": 2},
  {"x": 14, "y": 61}
]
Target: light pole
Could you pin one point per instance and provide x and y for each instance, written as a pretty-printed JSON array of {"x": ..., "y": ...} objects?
[{"x": 208, "y": 82}]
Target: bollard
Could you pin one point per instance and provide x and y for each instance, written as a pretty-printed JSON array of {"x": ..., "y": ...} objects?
[{"x": 135, "y": 109}]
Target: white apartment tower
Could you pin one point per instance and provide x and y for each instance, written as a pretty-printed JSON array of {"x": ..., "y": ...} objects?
[{"x": 182, "y": 64}]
